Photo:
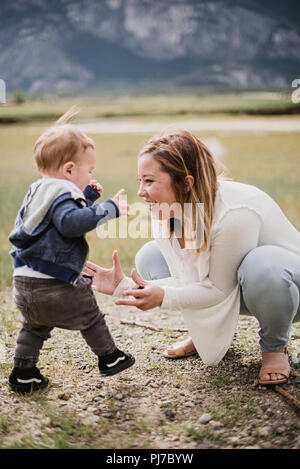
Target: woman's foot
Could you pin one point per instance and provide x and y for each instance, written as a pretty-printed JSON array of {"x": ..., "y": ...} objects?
[
  {"x": 185, "y": 348},
  {"x": 275, "y": 367}
]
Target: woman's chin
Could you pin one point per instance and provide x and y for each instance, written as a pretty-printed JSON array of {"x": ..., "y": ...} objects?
[{"x": 157, "y": 215}]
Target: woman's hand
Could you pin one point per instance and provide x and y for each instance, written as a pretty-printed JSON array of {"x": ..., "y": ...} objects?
[
  {"x": 105, "y": 280},
  {"x": 122, "y": 204},
  {"x": 145, "y": 296}
]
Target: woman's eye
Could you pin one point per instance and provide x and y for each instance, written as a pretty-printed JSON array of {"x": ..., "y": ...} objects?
[{"x": 147, "y": 181}]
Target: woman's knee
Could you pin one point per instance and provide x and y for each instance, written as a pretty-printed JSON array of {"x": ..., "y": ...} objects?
[
  {"x": 150, "y": 262},
  {"x": 264, "y": 266},
  {"x": 256, "y": 269},
  {"x": 266, "y": 282}
]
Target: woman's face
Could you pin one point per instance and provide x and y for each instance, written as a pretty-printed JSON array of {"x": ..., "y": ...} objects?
[{"x": 155, "y": 187}]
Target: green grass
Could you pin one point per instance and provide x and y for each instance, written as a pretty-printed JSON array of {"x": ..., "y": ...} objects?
[
  {"x": 236, "y": 408},
  {"x": 169, "y": 405},
  {"x": 3, "y": 424},
  {"x": 157, "y": 105},
  {"x": 220, "y": 382},
  {"x": 62, "y": 432},
  {"x": 208, "y": 435}
]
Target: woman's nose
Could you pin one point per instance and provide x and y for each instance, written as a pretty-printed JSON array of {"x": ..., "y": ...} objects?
[{"x": 141, "y": 191}]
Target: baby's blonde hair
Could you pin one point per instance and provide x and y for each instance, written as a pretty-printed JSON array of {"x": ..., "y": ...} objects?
[{"x": 61, "y": 143}]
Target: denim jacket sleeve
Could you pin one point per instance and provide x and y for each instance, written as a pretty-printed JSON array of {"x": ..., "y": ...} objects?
[
  {"x": 72, "y": 221},
  {"x": 90, "y": 195}
]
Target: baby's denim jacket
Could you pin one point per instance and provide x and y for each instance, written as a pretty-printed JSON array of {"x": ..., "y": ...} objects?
[{"x": 50, "y": 228}]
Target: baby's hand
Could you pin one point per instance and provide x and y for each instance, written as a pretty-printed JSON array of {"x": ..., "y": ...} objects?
[
  {"x": 122, "y": 205},
  {"x": 96, "y": 186}
]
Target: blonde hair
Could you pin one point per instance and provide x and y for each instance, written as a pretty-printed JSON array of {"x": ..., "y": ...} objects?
[
  {"x": 181, "y": 154},
  {"x": 61, "y": 143}
]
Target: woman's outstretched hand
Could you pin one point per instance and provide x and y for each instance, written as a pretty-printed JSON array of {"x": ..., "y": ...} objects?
[
  {"x": 145, "y": 296},
  {"x": 105, "y": 280}
]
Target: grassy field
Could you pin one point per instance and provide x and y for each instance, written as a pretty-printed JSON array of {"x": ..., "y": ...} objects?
[
  {"x": 270, "y": 161},
  {"x": 109, "y": 106}
]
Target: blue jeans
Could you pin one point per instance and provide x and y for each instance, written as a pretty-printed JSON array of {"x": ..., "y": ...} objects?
[{"x": 269, "y": 278}]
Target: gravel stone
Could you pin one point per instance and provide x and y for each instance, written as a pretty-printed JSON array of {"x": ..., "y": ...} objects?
[
  {"x": 281, "y": 430},
  {"x": 169, "y": 414},
  {"x": 204, "y": 419},
  {"x": 63, "y": 396},
  {"x": 264, "y": 431}
]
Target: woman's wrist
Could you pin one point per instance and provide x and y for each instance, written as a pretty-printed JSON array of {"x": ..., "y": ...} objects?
[{"x": 125, "y": 284}]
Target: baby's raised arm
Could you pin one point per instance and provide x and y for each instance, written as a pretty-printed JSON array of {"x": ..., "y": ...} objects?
[{"x": 121, "y": 203}]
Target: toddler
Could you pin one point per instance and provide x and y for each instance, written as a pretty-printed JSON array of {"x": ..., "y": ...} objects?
[{"x": 49, "y": 252}]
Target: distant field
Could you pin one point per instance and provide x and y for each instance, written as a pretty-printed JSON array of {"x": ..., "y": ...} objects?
[
  {"x": 158, "y": 105},
  {"x": 270, "y": 161}
]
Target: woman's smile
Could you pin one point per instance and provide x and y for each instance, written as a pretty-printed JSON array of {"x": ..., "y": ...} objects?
[{"x": 150, "y": 205}]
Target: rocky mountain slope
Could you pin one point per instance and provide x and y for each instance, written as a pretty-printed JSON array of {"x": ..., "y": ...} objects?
[{"x": 84, "y": 44}]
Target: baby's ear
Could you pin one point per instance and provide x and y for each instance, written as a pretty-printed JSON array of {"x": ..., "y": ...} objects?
[{"x": 67, "y": 168}]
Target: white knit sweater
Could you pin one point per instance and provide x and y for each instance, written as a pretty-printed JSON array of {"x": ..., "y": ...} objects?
[{"x": 204, "y": 286}]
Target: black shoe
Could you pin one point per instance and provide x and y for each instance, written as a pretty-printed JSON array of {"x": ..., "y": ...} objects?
[
  {"x": 114, "y": 362},
  {"x": 26, "y": 380}
]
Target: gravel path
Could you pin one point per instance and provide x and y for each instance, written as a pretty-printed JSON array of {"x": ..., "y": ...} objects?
[{"x": 158, "y": 403}]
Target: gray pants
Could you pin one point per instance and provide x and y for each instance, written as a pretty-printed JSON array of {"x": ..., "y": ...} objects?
[
  {"x": 48, "y": 303},
  {"x": 269, "y": 278}
]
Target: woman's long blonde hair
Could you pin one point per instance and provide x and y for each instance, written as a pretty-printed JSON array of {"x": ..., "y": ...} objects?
[{"x": 181, "y": 154}]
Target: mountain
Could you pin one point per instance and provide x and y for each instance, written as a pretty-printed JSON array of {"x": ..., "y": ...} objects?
[{"x": 48, "y": 45}]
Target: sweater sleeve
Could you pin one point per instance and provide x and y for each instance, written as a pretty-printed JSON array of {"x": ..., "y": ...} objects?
[
  {"x": 236, "y": 235},
  {"x": 72, "y": 221},
  {"x": 127, "y": 284}
]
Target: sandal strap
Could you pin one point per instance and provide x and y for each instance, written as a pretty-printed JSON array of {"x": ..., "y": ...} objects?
[
  {"x": 181, "y": 343},
  {"x": 178, "y": 351},
  {"x": 179, "y": 347},
  {"x": 281, "y": 361},
  {"x": 281, "y": 371}
]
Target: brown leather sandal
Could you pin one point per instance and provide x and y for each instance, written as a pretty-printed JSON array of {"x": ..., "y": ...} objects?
[
  {"x": 179, "y": 350},
  {"x": 267, "y": 368}
]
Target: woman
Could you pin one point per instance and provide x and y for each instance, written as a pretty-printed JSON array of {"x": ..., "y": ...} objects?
[{"x": 248, "y": 261}]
